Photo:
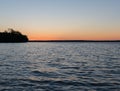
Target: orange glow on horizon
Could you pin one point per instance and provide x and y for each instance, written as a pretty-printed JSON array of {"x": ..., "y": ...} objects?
[
  {"x": 92, "y": 37},
  {"x": 69, "y": 34}
]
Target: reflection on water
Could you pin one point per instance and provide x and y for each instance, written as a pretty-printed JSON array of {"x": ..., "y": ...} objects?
[{"x": 60, "y": 67}]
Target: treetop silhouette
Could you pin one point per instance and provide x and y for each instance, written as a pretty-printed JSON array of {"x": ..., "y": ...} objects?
[{"x": 11, "y": 35}]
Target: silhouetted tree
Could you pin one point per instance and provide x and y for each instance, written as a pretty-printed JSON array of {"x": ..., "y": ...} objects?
[{"x": 12, "y": 36}]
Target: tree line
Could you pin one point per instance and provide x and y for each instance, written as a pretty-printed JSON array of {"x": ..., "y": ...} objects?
[{"x": 11, "y": 35}]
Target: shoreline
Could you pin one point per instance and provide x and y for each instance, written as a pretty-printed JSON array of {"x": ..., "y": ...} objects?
[
  {"x": 74, "y": 41},
  {"x": 63, "y": 41}
]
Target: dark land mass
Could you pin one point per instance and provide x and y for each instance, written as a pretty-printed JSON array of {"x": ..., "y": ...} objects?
[
  {"x": 12, "y": 36},
  {"x": 74, "y": 41}
]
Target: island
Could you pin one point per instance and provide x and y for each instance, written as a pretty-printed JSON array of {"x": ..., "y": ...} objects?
[{"x": 12, "y": 36}]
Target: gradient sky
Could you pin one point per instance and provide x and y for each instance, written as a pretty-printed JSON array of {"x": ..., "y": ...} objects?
[{"x": 62, "y": 19}]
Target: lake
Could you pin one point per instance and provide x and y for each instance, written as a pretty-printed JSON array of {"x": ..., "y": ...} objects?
[{"x": 60, "y": 66}]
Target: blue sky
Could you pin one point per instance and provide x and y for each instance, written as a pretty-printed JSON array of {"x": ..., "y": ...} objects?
[{"x": 55, "y": 19}]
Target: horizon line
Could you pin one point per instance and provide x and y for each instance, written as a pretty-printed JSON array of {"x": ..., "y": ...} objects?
[{"x": 74, "y": 41}]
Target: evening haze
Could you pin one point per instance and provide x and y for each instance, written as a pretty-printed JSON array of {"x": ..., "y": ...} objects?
[{"x": 62, "y": 19}]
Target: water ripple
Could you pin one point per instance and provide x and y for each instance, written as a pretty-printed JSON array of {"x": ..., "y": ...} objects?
[{"x": 60, "y": 67}]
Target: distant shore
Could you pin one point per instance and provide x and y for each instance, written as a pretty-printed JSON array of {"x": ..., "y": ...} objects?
[
  {"x": 12, "y": 36},
  {"x": 74, "y": 41}
]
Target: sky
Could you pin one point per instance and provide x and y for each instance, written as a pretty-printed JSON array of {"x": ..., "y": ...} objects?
[{"x": 62, "y": 19}]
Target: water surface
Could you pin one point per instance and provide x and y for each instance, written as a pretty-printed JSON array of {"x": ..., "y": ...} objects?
[{"x": 60, "y": 66}]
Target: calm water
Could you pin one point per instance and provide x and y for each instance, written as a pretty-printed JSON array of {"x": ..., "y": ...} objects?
[{"x": 60, "y": 67}]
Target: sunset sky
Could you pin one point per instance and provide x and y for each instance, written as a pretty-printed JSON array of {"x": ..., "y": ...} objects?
[{"x": 62, "y": 19}]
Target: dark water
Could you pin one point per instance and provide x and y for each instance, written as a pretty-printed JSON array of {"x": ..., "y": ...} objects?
[{"x": 60, "y": 67}]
